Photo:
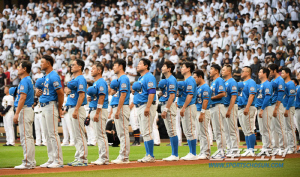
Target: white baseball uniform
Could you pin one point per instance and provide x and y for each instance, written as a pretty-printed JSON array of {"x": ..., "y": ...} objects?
[{"x": 8, "y": 100}]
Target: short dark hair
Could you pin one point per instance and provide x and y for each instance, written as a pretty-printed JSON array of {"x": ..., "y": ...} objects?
[
  {"x": 80, "y": 63},
  {"x": 190, "y": 65},
  {"x": 26, "y": 64},
  {"x": 274, "y": 67},
  {"x": 295, "y": 80},
  {"x": 217, "y": 67},
  {"x": 146, "y": 62},
  {"x": 199, "y": 73},
  {"x": 121, "y": 62},
  {"x": 287, "y": 70},
  {"x": 265, "y": 71},
  {"x": 99, "y": 66},
  {"x": 49, "y": 58},
  {"x": 228, "y": 66},
  {"x": 249, "y": 69},
  {"x": 170, "y": 64}
]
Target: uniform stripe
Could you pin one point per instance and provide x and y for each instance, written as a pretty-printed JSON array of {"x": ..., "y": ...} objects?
[
  {"x": 55, "y": 135},
  {"x": 124, "y": 131},
  {"x": 80, "y": 132},
  {"x": 293, "y": 132},
  {"x": 25, "y": 135},
  {"x": 205, "y": 131}
]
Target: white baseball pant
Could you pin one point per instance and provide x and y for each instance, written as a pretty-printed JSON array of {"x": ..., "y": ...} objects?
[
  {"x": 39, "y": 129},
  {"x": 188, "y": 122},
  {"x": 155, "y": 132},
  {"x": 290, "y": 130},
  {"x": 133, "y": 120},
  {"x": 146, "y": 123},
  {"x": 264, "y": 127},
  {"x": 202, "y": 129},
  {"x": 178, "y": 127},
  {"x": 217, "y": 118},
  {"x": 230, "y": 127},
  {"x": 9, "y": 127},
  {"x": 278, "y": 129}
]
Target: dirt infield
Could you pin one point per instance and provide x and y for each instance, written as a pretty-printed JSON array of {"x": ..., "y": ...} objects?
[{"x": 133, "y": 164}]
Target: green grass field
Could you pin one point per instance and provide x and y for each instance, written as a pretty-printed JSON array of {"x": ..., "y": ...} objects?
[{"x": 11, "y": 156}]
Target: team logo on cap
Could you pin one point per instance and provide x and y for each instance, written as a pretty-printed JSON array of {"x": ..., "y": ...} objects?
[
  {"x": 150, "y": 84},
  {"x": 55, "y": 84},
  {"x": 123, "y": 85}
]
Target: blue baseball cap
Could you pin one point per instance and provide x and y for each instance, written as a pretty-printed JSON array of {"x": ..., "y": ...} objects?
[
  {"x": 136, "y": 86},
  {"x": 181, "y": 85},
  {"x": 114, "y": 84},
  {"x": 72, "y": 84},
  {"x": 162, "y": 83},
  {"x": 92, "y": 91},
  {"x": 12, "y": 91},
  {"x": 40, "y": 83}
]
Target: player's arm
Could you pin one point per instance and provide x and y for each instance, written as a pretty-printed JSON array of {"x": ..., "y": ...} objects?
[
  {"x": 170, "y": 100},
  {"x": 279, "y": 97},
  {"x": 267, "y": 99},
  {"x": 121, "y": 103},
  {"x": 221, "y": 91},
  {"x": 80, "y": 100},
  {"x": 188, "y": 99},
  {"x": 99, "y": 107},
  {"x": 131, "y": 105},
  {"x": 20, "y": 106},
  {"x": 60, "y": 97}
]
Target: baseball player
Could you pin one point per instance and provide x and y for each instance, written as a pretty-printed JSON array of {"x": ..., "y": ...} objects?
[
  {"x": 8, "y": 114},
  {"x": 89, "y": 128},
  {"x": 168, "y": 107},
  {"x": 203, "y": 114},
  {"x": 277, "y": 121},
  {"x": 188, "y": 110},
  {"x": 181, "y": 87},
  {"x": 230, "y": 122},
  {"x": 289, "y": 110},
  {"x": 134, "y": 122},
  {"x": 247, "y": 109},
  {"x": 122, "y": 112},
  {"x": 98, "y": 112},
  {"x": 263, "y": 105},
  {"x": 217, "y": 109},
  {"x": 145, "y": 102},
  {"x": 25, "y": 116},
  {"x": 297, "y": 106},
  {"x": 76, "y": 101},
  {"x": 39, "y": 129},
  {"x": 51, "y": 100},
  {"x": 66, "y": 119}
]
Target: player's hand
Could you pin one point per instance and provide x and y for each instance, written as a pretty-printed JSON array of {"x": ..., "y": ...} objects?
[
  {"x": 61, "y": 114},
  {"x": 113, "y": 132},
  {"x": 164, "y": 114},
  {"x": 117, "y": 115},
  {"x": 228, "y": 113},
  {"x": 96, "y": 118},
  {"x": 147, "y": 112},
  {"x": 38, "y": 92},
  {"x": 109, "y": 116},
  {"x": 201, "y": 117},
  {"x": 88, "y": 116},
  {"x": 286, "y": 113},
  {"x": 275, "y": 113},
  {"x": 75, "y": 114},
  {"x": 16, "y": 116},
  {"x": 261, "y": 113},
  {"x": 182, "y": 112},
  {"x": 59, "y": 120},
  {"x": 246, "y": 111}
]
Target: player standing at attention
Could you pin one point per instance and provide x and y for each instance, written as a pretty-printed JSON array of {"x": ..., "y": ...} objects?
[
  {"x": 168, "y": 108},
  {"x": 263, "y": 105},
  {"x": 289, "y": 111},
  {"x": 122, "y": 112},
  {"x": 51, "y": 101},
  {"x": 99, "y": 114},
  {"x": 145, "y": 102},
  {"x": 76, "y": 101},
  {"x": 297, "y": 106},
  {"x": 24, "y": 115},
  {"x": 203, "y": 114},
  {"x": 230, "y": 122},
  {"x": 8, "y": 114},
  {"x": 246, "y": 105},
  {"x": 217, "y": 109},
  {"x": 277, "y": 122},
  {"x": 188, "y": 110}
]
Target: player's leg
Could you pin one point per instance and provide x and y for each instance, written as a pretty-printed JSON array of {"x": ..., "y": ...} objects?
[
  {"x": 66, "y": 135},
  {"x": 5, "y": 122},
  {"x": 226, "y": 125},
  {"x": 11, "y": 128},
  {"x": 133, "y": 120},
  {"x": 290, "y": 127},
  {"x": 82, "y": 141},
  {"x": 217, "y": 123},
  {"x": 51, "y": 116},
  {"x": 297, "y": 115},
  {"x": 37, "y": 127},
  {"x": 26, "y": 138},
  {"x": 155, "y": 132},
  {"x": 204, "y": 136},
  {"x": 275, "y": 135},
  {"x": 70, "y": 128},
  {"x": 210, "y": 132},
  {"x": 47, "y": 137},
  {"x": 178, "y": 127},
  {"x": 264, "y": 126},
  {"x": 248, "y": 122},
  {"x": 231, "y": 123}
]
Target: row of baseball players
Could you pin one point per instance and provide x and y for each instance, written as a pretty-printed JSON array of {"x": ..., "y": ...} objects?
[{"x": 210, "y": 103}]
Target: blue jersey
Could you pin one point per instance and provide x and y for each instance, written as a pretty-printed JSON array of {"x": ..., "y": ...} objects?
[
  {"x": 102, "y": 89},
  {"x": 51, "y": 84},
  {"x": 203, "y": 93},
  {"x": 25, "y": 86},
  {"x": 248, "y": 89},
  {"x": 124, "y": 87},
  {"x": 148, "y": 83},
  {"x": 81, "y": 87},
  {"x": 171, "y": 87},
  {"x": 290, "y": 90},
  {"x": 191, "y": 88},
  {"x": 297, "y": 104},
  {"x": 240, "y": 86},
  {"x": 217, "y": 86},
  {"x": 278, "y": 86},
  {"x": 264, "y": 90},
  {"x": 231, "y": 89}
]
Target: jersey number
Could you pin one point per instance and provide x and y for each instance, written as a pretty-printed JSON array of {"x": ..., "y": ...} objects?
[{"x": 46, "y": 91}]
